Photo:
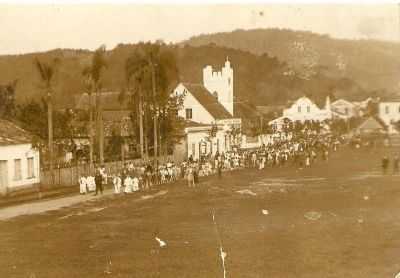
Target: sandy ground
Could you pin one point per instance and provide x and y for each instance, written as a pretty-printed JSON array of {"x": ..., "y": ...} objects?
[{"x": 337, "y": 219}]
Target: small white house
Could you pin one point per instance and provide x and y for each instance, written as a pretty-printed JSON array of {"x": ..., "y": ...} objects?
[
  {"x": 389, "y": 113},
  {"x": 344, "y": 109},
  {"x": 19, "y": 162},
  {"x": 304, "y": 109}
]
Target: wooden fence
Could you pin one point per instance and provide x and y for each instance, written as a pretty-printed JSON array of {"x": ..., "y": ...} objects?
[{"x": 68, "y": 176}]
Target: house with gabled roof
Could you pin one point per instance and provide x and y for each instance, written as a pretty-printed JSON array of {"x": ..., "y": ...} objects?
[
  {"x": 19, "y": 161},
  {"x": 208, "y": 109}
]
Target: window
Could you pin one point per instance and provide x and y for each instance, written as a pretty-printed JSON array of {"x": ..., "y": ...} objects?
[
  {"x": 188, "y": 113},
  {"x": 387, "y": 109},
  {"x": 17, "y": 169},
  {"x": 229, "y": 81},
  {"x": 299, "y": 109},
  {"x": 308, "y": 109},
  {"x": 346, "y": 110},
  {"x": 399, "y": 109},
  {"x": 31, "y": 171}
]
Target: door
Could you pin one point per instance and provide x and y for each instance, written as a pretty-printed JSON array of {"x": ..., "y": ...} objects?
[{"x": 3, "y": 177}]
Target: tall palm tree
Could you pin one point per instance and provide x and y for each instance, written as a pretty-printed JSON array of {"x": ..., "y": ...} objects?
[
  {"x": 135, "y": 70},
  {"x": 47, "y": 73},
  {"x": 89, "y": 90},
  {"x": 93, "y": 73}
]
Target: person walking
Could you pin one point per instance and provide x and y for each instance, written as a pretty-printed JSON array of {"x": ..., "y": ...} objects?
[
  {"x": 219, "y": 168},
  {"x": 98, "y": 179},
  {"x": 385, "y": 164},
  {"x": 190, "y": 176}
]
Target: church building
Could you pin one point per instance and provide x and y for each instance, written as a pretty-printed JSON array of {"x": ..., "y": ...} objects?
[{"x": 208, "y": 109}]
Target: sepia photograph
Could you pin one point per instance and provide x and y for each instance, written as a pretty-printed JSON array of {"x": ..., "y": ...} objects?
[{"x": 201, "y": 139}]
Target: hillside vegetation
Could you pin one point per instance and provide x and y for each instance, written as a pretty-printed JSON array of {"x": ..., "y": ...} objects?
[{"x": 270, "y": 66}]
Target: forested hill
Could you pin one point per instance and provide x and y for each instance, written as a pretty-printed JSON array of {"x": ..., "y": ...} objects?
[
  {"x": 372, "y": 64},
  {"x": 261, "y": 79}
]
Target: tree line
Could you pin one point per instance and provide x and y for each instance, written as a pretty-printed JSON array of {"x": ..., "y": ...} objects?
[{"x": 151, "y": 74}]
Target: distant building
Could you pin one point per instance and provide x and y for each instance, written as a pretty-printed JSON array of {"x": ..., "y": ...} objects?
[
  {"x": 344, "y": 109},
  {"x": 389, "y": 113},
  {"x": 304, "y": 109},
  {"x": 116, "y": 119},
  {"x": 370, "y": 126},
  {"x": 19, "y": 161},
  {"x": 208, "y": 109}
]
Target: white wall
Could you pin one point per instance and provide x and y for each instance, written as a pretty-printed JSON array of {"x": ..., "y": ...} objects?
[
  {"x": 394, "y": 111},
  {"x": 391, "y": 115},
  {"x": 314, "y": 112},
  {"x": 222, "y": 83},
  {"x": 199, "y": 113},
  {"x": 23, "y": 152},
  {"x": 341, "y": 106}
]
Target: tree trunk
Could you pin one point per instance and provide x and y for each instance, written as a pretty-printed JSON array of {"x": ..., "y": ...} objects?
[
  {"x": 101, "y": 134},
  {"x": 50, "y": 131},
  {"x": 146, "y": 145},
  {"x": 141, "y": 126},
  {"x": 155, "y": 125},
  {"x": 90, "y": 133}
]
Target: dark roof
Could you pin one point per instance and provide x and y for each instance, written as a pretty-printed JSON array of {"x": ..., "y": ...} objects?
[
  {"x": 243, "y": 109},
  {"x": 266, "y": 109},
  {"x": 189, "y": 123},
  {"x": 11, "y": 134},
  {"x": 110, "y": 100},
  {"x": 208, "y": 101},
  {"x": 372, "y": 123}
]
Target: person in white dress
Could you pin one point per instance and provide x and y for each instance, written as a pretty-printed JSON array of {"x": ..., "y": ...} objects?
[
  {"x": 135, "y": 184},
  {"x": 128, "y": 184},
  {"x": 83, "y": 185},
  {"x": 91, "y": 183},
  {"x": 117, "y": 184}
]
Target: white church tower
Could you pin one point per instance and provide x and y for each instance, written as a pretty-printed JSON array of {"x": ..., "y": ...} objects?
[{"x": 220, "y": 84}]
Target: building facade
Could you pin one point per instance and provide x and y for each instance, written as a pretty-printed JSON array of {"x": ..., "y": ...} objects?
[
  {"x": 304, "y": 109},
  {"x": 19, "y": 161},
  {"x": 389, "y": 113},
  {"x": 344, "y": 109},
  {"x": 208, "y": 110}
]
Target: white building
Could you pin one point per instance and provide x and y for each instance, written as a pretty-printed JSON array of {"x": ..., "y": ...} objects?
[
  {"x": 344, "y": 109},
  {"x": 304, "y": 109},
  {"x": 207, "y": 107},
  {"x": 19, "y": 162},
  {"x": 389, "y": 113}
]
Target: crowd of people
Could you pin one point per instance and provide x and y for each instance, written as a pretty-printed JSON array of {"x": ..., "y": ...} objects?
[{"x": 301, "y": 149}]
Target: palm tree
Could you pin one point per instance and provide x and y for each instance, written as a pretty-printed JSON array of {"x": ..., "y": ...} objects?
[
  {"x": 135, "y": 70},
  {"x": 93, "y": 73},
  {"x": 163, "y": 66},
  {"x": 47, "y": 72},
  {"x": 89, "y": 90}
]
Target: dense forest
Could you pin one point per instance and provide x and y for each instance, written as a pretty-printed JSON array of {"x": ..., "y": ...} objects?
[
  {"x": 270, "y": 66},
  {"x": 373, "y": 64}
]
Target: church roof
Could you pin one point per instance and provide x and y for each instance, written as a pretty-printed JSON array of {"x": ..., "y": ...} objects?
[{"x": 208, "y": 101}]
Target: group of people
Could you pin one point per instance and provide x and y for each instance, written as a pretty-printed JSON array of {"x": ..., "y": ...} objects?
[
  {"x": 386, "y": 164},
  {"x": 300, "y": 149},
  {"x": 130, "y": 178}
]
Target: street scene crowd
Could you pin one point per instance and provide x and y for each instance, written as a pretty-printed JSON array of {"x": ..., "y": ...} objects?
[{"x": 285, "y": 149}]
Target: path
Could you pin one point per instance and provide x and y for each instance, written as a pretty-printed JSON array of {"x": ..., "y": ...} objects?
[{"x": 48, "y": 205}]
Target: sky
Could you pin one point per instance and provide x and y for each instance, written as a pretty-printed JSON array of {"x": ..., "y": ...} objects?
[{"x": 28, "y": 28}]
